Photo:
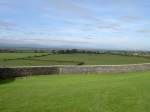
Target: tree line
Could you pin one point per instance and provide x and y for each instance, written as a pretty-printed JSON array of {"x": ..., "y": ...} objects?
[{"x": 72, "y": 51}]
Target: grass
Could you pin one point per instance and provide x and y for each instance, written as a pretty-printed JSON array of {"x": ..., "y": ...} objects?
[
  {"x": 123, "y": 92},
  {"x": 67, "y": 59}
]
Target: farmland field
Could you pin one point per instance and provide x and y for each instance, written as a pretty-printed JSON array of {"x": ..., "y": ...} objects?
[
  {"x": 128, "y": 92},
  {"x": 37, "y": 59}
]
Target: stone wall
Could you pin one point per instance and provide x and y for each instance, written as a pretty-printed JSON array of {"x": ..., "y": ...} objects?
[
  {"x": 6, "y": 73},
  {"x": 105, "y": 68}
]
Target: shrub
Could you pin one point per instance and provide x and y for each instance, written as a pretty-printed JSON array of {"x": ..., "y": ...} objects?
[{"x": 81, "y": 63}]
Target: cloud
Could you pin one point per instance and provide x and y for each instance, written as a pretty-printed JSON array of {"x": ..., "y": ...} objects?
[
  {"x": 11, "y": 4},
  {"x": 144, "y": 31},
  {"x": 45, "y": 40},
  {"x": 113, "y": 27},
  {"x": 72, "y": 7},
  {"x": 105, "y": 26},
  {"x": 64, "y": 41},
  {"x": 5, "y": 25},
  {"x": 130, "y": 18}
]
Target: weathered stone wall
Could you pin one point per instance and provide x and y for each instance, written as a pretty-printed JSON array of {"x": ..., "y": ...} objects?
[
  {"x": 6, "y": 73},
  {"x": 105, "y": 68}
]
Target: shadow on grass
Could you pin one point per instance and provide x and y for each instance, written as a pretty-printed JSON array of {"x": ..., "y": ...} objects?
[{"x": 6, "y": 81}]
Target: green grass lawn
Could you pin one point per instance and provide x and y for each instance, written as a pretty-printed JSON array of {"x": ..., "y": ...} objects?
[
  {"x": 124, "y": 92},
  {"x": 67, "y": 59}
]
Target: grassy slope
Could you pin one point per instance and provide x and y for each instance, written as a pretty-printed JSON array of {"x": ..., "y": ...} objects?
[
  {"x": 77, "y": 93},
  {"x": 19, "y": 62},
  {"x": 16, "y": 55},
  {"x": 60, "y": 59},
  {"x": 96, "y": 59}
]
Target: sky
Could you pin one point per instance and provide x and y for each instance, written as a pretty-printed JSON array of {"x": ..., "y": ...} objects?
[{"x": 94, "y": 24}]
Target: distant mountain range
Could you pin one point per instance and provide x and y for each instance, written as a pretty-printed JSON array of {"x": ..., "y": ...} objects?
[
  {"x": 38, "y": 46},
  {"x": 32, "y": 46}
]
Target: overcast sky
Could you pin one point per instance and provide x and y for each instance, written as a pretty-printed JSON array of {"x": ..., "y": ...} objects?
[{"x": 105, "y": 24}]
